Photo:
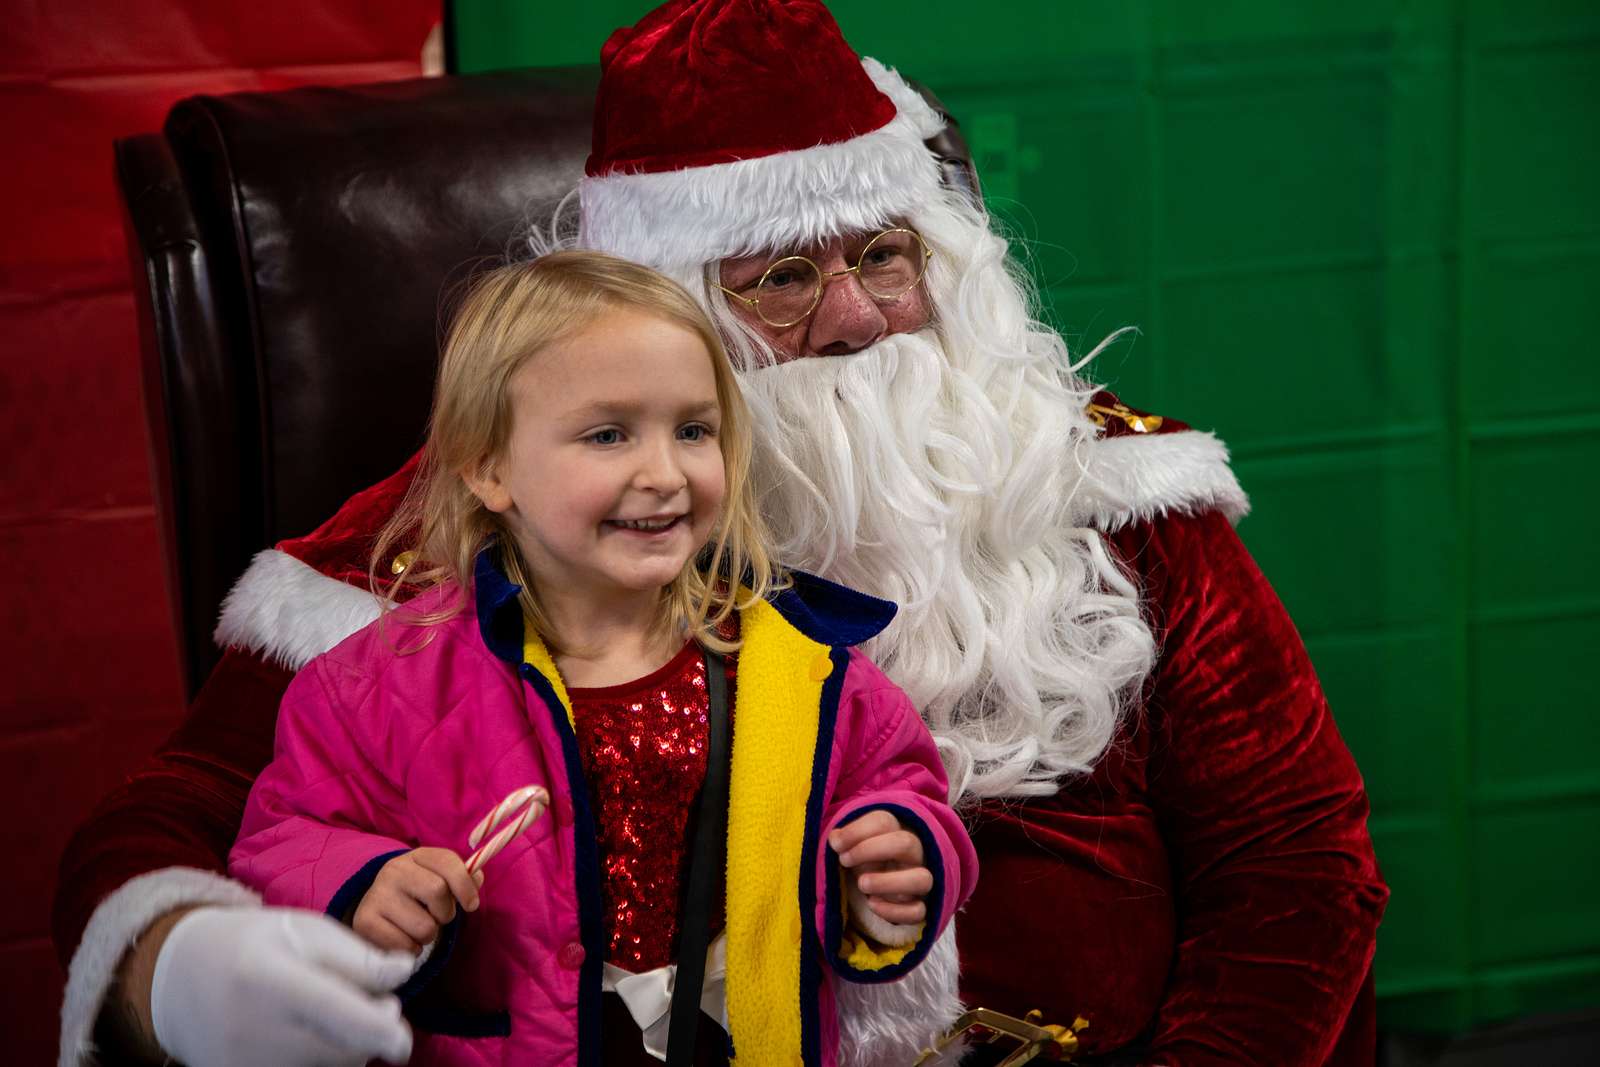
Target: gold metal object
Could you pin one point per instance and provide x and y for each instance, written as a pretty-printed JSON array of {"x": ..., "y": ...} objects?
[
  {"x": 1133, "y": 420},
  {"x": 1058, "y": 1044},
  {"x": 402, "y": 563}
]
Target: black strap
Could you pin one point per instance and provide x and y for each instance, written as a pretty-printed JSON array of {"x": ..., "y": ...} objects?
[{"x": 705, "y": 869}]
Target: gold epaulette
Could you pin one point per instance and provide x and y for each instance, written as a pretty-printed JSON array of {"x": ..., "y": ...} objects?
[{"x": 1137, "y": 421}]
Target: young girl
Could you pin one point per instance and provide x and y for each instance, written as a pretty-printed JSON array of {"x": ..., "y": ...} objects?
[{"x": 571, "y": 546}]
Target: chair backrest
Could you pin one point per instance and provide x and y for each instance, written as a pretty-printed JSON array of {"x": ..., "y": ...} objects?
[{"x": 294, "y": 249}]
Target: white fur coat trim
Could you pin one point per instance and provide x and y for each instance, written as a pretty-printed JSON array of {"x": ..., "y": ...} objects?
[
  {"x": 119, "y": 919},
  {"x": 873, "y": 1019},
  {"x": 1132, "y": 479},
  {"x": 290, "y": 612},
  {"x": 684, "y": 218}
]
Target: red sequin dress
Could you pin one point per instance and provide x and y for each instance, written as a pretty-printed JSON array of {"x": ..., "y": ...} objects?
[{"x": 643, "y": 745}]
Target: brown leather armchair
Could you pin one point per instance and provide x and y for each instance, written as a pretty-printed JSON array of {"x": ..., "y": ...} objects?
[{"x": 294, "y": 249}]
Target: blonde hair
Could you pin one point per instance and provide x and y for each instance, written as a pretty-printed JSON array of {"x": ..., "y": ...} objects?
[{"x": 508, "y": 316}]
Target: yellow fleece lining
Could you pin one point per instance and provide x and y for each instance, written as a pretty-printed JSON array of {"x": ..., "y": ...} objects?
[
  {"x": 856, "y": 947},
  {"x": 535, "y": 655},
  {"x": 865, "y": 954},
  {"x": 775, "y": 723}
]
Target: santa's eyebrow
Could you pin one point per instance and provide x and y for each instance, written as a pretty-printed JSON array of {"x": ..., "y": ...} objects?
[
  {"x": 746, "y": 270},
  {"x": 758, "y": 262}
]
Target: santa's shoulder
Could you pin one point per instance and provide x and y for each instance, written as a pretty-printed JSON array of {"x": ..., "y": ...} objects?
[
  {"x": 1140, "y": 466},
  {"x": 307, "y": 594}
]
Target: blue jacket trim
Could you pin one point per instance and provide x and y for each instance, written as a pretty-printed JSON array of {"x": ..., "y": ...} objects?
[
  {"x": 438, "y": 1018},
  {"x": 810, "y": 965},
  {"x": 935, "y": 900},
  {"x": 435, "y": 966},
  {"x": 499, "y": 610},
  {"x": 500, "y": 622},
  {"x": 450, "y": 1022},
  {"x": 355, "y": 887},
  {"x": 586, "y": 872},
  {"x": 829, "y": 613}
]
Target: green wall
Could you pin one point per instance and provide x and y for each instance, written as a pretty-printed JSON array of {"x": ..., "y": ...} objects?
[{"x": 1362, "y": 242}]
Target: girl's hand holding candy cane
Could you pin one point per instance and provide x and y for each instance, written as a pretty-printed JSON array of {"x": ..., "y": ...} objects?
[{"x": 414, "y": 895}]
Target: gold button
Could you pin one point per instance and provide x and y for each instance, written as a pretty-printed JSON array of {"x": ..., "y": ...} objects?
[
  {"x": 402, "y": 563},
  {"x": 821, "y": 667}
]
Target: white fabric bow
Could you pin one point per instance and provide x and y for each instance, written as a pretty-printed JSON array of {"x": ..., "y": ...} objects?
[{"x": 648, "y": 995}]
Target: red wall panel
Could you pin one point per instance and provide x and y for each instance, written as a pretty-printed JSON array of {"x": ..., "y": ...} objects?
[{"x": 88, "y": 663}]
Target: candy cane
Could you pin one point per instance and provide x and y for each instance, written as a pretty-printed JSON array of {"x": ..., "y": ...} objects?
[{"x": 530, "y": 801}]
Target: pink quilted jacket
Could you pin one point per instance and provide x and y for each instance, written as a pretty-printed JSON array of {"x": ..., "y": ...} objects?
[{"x": 380, "y": 751}]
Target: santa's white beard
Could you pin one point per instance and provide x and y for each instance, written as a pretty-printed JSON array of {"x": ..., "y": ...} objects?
[{"x": 892, "y": 471}]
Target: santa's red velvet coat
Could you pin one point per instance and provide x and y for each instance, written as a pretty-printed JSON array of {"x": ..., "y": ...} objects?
[{"x": 1209, "y": 895}]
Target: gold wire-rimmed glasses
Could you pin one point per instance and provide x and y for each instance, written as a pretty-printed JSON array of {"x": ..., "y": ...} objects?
[{"x": 889, "y": 266}]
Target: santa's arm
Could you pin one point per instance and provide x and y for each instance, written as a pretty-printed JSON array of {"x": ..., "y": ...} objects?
[
  {"x": 1279, "y": 893},
  {"x": 158, "y": 843}
]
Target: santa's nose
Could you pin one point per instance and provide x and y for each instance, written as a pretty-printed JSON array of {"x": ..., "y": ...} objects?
[{"x": 847, "y": 319}]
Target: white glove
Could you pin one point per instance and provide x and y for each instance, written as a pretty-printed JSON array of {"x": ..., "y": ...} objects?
[{"x": 276, "y": 987}]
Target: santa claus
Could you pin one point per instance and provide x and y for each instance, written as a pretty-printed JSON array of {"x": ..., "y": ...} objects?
[{"x": 1172, "y": 835}]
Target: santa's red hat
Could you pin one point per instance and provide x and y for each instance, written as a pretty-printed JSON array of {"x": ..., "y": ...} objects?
[{"x": 726, "y": 127}]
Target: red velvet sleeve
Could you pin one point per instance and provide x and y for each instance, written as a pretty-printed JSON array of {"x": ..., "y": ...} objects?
[
  {"x": 182, "y": 808},
  {"x": 1263, "y": 810}
]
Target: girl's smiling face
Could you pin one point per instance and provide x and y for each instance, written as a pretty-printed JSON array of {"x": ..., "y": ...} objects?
[{"x": 612, "y": 479}]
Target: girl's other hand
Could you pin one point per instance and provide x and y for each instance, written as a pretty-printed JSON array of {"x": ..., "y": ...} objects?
[
  {"x": 413, "y": 896},
  {"x": 885, "y": 859}
]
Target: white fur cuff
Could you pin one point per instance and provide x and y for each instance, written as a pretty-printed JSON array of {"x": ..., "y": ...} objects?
[
  {"x": 114, "y": 926},
  {"x": 889, "y": 1024}
]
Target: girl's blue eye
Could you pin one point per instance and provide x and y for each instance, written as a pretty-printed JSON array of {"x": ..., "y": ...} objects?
[
  {"x": 695, "y": 431},
  {"x": 606, "y": 437}
]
